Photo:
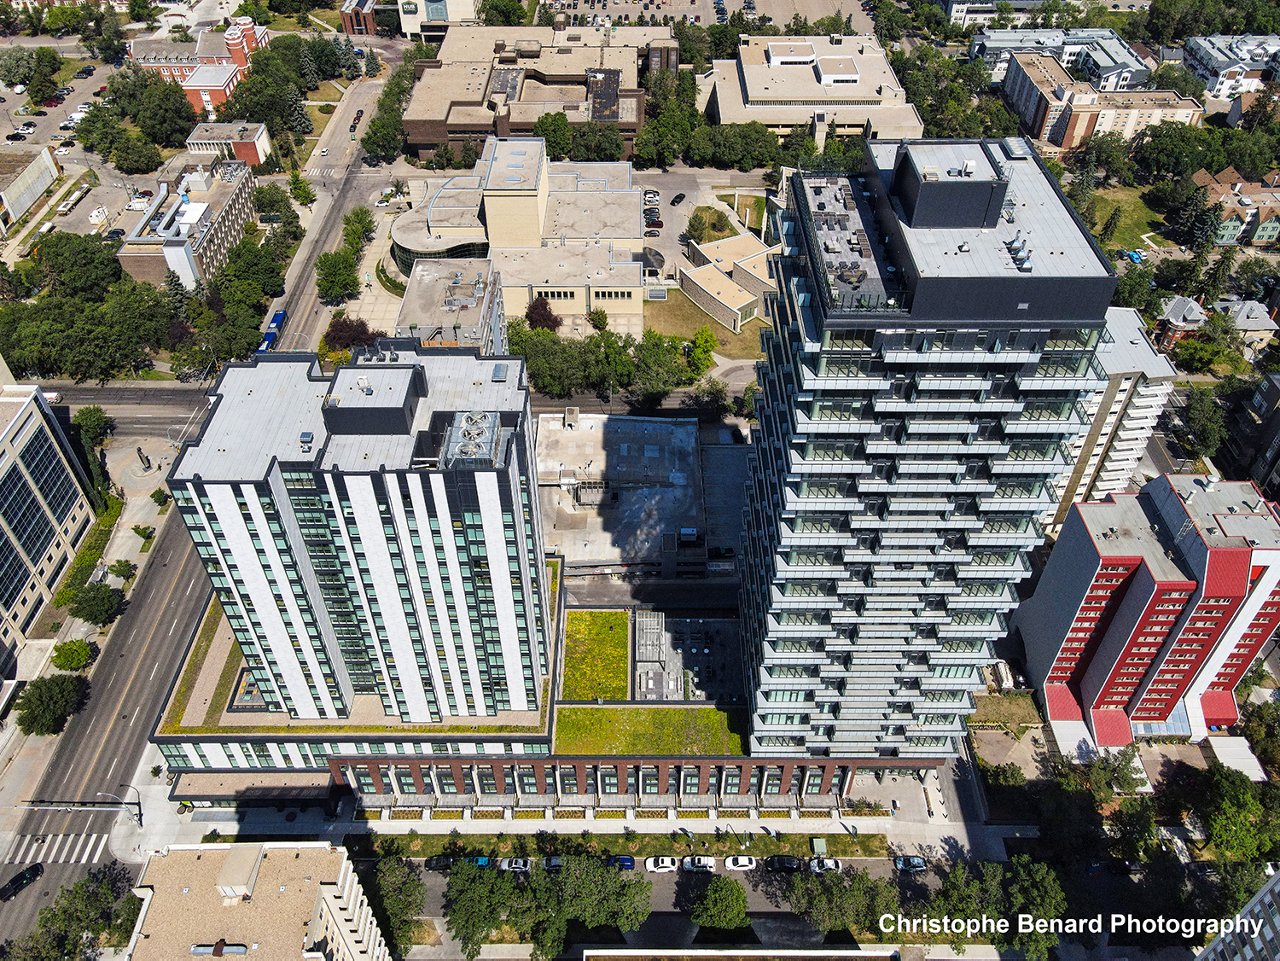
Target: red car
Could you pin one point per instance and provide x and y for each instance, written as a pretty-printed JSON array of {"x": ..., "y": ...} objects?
[{"x": 53, "y": 102}]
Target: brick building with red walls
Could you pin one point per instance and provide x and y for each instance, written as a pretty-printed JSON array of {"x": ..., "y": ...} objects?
[
  {"x": 1151, "y": 608},
  {"x": 207, "y": 69}
]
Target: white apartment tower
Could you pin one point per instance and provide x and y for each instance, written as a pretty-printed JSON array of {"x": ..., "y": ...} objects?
[
  {"x": 372, "y": 533},
  {"x": 933, "y": 340},
  {"x": 1121, "y": 416}
]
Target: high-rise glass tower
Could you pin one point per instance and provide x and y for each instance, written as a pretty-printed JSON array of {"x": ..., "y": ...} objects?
[{"x": 933, "y": 340}]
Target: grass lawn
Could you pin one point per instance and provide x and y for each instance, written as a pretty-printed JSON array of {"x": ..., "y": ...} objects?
[
  {"x": 330, "y": 17},
  {"x": 678, "y": 316},
  {"x": 597, "y": 647},
  {"x": 320, "y": 120},
  {"x": 661, "y": 731},
  {"x": 327, "y": 92},
  {"x": 750, "y": 209},
  {"x": 796, "y": 843},
  {"x": 151, "y": 373},
  {"x": 1136, "y": 218},
  {"x": 66, "y": 75},
  {"x": 710, "y": 214},
  {"x": 283, "y": 24},
  {"x": 1010, "y": 711}
]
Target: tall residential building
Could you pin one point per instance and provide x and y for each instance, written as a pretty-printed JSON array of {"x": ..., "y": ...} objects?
[
  {"x": 1121, "y": 416},
  {"x": 1151, "y": 608},
  {"x": 1262, "y": 914},
  {"x": 44, "y": 511},
  {"x": 1230, "y": 65},
  {"x": 375, "y": 546},
  {"x": 933, "y": 340}
]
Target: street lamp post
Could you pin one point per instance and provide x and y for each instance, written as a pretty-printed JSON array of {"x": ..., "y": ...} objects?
[{"x": 137, "y": 813}]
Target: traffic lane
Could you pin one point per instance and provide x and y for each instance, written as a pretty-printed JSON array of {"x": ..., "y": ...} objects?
[
  {"x": 101, "y": 746},
  {"x": 129, "y": 682}
]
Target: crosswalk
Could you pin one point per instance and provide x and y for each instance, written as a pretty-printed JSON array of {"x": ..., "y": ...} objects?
[
  {"x": 321, "y": 171},
  {"x": 57, "y": 849}
]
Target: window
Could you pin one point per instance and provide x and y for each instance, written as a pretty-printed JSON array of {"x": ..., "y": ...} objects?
[
  {"x": 46, "y": 468},
  {"x": 24, "y": 515}
]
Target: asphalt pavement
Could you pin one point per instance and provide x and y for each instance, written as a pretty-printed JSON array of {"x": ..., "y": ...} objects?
[{"x": 102, "y": 745}]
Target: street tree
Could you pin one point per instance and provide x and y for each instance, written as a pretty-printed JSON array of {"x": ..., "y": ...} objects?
[
  {"x": 72, "y": 655},
  {"x": 701, "y": 351},
  {"x": 851, "y": 899},
  {"x": 358, "y": 228},
  {"x": 475, "y": 901},
  {"x": 540, "y": 315},
  {"x": 1109, "y": 228},
  {"x": 722, "y": 905},
  {"x": 372, "y": 65},
  {"x": 98, "y": 604},
  {"x": 123, "y": 569},
  {"x": 400, "y": 896},
  {"x": 337, "y": 277},
  {"x": 46, "y": 703},
  {"x": 1034, "y": 890},
  {"x": 301, "y": 191},
  {"x": 94, "y": 425}
]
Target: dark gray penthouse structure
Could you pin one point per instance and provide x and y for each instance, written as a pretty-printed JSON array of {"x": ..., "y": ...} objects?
[{"x": 933, "y": 340}]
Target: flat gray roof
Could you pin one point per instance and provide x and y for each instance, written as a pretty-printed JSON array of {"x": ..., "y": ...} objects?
[
  {"x": 1130, "y": 524},
  {"x": 263, "y": 409},
  {"x": 1227, "y": 513},
  {"x": 1130, "y": 351},
  {"x": 1035, "y": 212}
]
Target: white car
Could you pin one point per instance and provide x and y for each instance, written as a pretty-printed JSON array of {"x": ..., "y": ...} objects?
[
  {"x": 700, "y": 864},
  {"x": 740, "y": 862},
  {"x": 823, "y": 865},
  {"x": 62, "y": 151},
  {"x": 324, "y": 151},
  {"x": 518, "y": 865},
  {"x": 384, "y": 202},
  {"x": 660, "y": 865}
]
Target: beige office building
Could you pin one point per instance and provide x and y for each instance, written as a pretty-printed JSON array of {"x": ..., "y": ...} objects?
[
  {"x": 788, "y": 82},
  {"x": 501, "y": 80},
  {"x": 276, "y": 900},
  {"x": 569, "y": 232},
  {"x": 1056, "y": 109}
]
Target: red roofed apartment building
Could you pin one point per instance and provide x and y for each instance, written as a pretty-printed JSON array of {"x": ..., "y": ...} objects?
[
  {"x": 208, "y": 69},
  {"x": 1150, "y": 609}
]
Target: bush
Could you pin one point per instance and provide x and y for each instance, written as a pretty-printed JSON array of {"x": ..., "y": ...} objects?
[
  {"x": 327, "y": 108},
  {"x": 160, "y": 496},
  {"x": 143, "y": 531},
  {"x": 46, "y": 703},
  {"x": 72, "y": 655},
  {"x": 86, "y": 559}
]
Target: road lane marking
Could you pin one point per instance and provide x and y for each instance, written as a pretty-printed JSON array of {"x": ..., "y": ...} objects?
[
  {"x": 112, "y": 768},
  {"x": 74, "y": 850},
  {"x": 189, "y": 586},
  {"x": 98, "y": 853},
  {"x": 174, "y": 626},
  {"x": 136, "y": 712},
  {"x": 153, "y": 671}
]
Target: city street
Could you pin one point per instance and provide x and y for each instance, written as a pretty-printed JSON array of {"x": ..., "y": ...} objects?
[
  {"x": 341, "y": 183},
  {"x": 101, "y": 746}
]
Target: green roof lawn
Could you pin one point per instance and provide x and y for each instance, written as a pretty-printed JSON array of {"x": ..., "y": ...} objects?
[
  {"x": 597, "y": 646},
  {"x": 660, "y": 731}
]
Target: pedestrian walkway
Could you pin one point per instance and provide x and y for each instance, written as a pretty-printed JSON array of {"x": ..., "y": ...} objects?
[{"x": 57, "y": 849}]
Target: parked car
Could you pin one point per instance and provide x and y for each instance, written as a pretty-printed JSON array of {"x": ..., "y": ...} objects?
[
  {"x": 15, "y": 138},
  {"x": 823, "y": 865},
  {"x": 553, "y": 864},
  {"x": 515, "y": 865},
  {"x": 653, "y": 233},
  {"x": 623, "y": 862},
  {"x": 660, "y": 865},
  {"x": 441, "y": 862},
  {"x": 69, "y": 142},
  {"x": 910, "y": 864},
  {"x": 652, "y": 212},
  {"x": 23, "y": 879},
  {"x": 62, "y": 151},
  {"x": 698, "y": 864},
  {"x": 740, "y": 862},
  {"x": 654, "y": 224},
  {"x": 783, "y": 864},
  {"x": 384, "y": 202},
  {"x": 480, "y": 861},
  {"x": 677, "y": 200}
]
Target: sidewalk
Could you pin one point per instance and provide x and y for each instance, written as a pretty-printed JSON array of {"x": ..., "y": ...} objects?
[{"x": 23, "y": 759}]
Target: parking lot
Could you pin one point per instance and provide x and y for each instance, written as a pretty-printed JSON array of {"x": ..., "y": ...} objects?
[{"x": 46, "y": 127}]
